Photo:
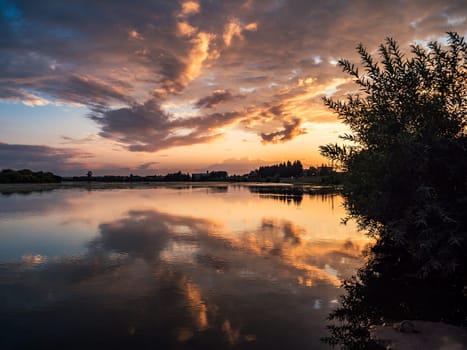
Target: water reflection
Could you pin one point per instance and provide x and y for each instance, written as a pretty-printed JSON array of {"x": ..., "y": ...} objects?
[
  {"x": 157, "y": 278},
  {"x": 289, "y": 199},
  {"x": 26, "y": 203}
]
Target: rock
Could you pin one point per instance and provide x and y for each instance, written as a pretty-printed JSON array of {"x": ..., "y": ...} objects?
[
  {"x": 406, "y": 327},
  {"x": 420, "y": 335}
]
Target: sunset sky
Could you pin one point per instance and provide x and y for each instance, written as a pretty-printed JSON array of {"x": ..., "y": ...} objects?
[{"x": 155, "y": 86}]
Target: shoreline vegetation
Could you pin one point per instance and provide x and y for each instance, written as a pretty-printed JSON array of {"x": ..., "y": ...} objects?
[
  {"x": 286, "y": 172},
  {"x": 28, "y": 176},
  {"x": 287, "y": 180}
]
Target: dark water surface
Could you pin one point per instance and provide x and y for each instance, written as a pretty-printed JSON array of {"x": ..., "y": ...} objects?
[{"x": 171, "y": 268}]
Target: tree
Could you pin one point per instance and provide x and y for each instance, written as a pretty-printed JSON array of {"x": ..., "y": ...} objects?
[
  {"x": 406, "y": 178},
  {"x": 27, "y": 176}
]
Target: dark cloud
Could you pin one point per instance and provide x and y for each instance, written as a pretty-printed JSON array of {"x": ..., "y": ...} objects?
[
  {"x": 217, "y": 97},
  {"x": 75, "y": 88},
  {"x": 90, "y": 91},
  {"x": 81, "y": 54},
  {"x": 146, "y": 127},
  {"x": 18, "y": 95},
  {"x": 147, "y": 166},
  {"x": 36, "y": 157},
  {"x": 288, "y": 131}
]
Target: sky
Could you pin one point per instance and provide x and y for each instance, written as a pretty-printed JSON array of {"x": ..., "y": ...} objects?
[{"x": 156, "y": 86}]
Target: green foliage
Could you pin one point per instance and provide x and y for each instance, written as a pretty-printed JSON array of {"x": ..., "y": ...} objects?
[
  {"x": 406, "y": 180},
  {"x": 27, "y": 176}
]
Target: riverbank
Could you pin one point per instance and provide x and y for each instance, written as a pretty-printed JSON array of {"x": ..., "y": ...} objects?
[{"x": 259, "y": 187}]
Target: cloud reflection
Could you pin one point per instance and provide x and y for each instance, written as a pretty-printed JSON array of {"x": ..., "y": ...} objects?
[{"x": 172, "y": 280}]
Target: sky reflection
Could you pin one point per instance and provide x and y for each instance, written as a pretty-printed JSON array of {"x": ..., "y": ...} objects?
[{"x": 149, "y": 273}]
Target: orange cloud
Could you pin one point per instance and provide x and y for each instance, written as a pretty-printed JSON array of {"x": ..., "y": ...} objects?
[
  {"x": 234, "y": 29},
  {"x": 198, "y": 54},
  {"x": 189, "y": 8},
  {"x": 185, "y": 29},
  {"x": 133, "y": 34}
]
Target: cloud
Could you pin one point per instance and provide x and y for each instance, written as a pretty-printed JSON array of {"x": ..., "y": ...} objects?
[
  {"x": 286, "y": 133},
  {"x": 189, "y": 8},
  {"x": 232, "y": 30},
  {"x": 147, "y": 166},
  {"x": 217, "y": 97},
  {"x": 175, "y": 51},
  {"x": 184, "y": 69},
  {"x": 133, "y": 34},
  {"x": 235, "y": 29},
  {"x": 198, "y": 54},
  {"x": 187, "y": 65},
  {"x": 146, "y": 127},
  {"x": 185, "y": 29},
  {"x": 73, "y": 89},
  {"x": 36, "y": 157},
  {"x": 74, "y": 141},
  {"x": 91, "y": 91},
  {"x": 18, "y": 95}
]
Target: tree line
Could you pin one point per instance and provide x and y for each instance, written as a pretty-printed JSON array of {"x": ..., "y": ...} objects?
[
  {"x": 27, "y": 176},
  {"x": 285, "y": 169}
]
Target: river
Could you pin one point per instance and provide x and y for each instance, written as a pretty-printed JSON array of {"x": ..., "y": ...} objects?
[{"x": 171, "y": 267}]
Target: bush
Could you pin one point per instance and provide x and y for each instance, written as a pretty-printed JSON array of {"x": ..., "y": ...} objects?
[{"x": 406, "y": 181}]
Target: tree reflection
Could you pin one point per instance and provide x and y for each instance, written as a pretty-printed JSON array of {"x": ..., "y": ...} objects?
[
  {"x": 295, "y": 199},
  {"x": 293, "y": 194},
  {"x": 387, "y": 289}
]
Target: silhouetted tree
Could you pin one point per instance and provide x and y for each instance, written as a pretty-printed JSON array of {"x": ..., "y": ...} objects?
[
  {"x": 406, "y": 183},
  {"x": 178, "y": 176},
  {"x": 285, "y": 169}
]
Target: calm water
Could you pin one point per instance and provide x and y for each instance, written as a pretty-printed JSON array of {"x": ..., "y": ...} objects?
[{"x": 183, "y": 268}]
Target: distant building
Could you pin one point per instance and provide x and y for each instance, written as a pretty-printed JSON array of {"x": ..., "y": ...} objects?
[{"x": 199, "y": 176}]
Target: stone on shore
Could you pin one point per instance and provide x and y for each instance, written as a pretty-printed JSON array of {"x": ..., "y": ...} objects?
[{"x": 420, "y": 335}]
